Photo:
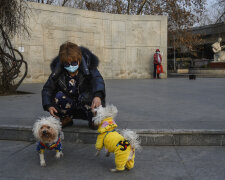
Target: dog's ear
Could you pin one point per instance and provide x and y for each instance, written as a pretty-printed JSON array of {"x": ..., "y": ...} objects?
[
  {"x": 58, "y": 125},
  {"x": 111, "y": 110},
  {"x": 98, "y": 115},
  {"x": 37, "y": 125},
  {"x": 114, "y": 110},
  {"x": 97, "y": 109}
]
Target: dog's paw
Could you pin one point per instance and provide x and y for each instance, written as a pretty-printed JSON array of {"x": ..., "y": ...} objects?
[
  {"x": 107, "y": 154},
  {"x": 116, "y": 170},
  {"x": 42, "y": 163},
  {"x": 127, "y": 169},
  {"x": 97, "y": 153},
  {"x": 113, "y": 170},
  {"x": 61, "y": 154},
  {"x": 58, "y": 155}
]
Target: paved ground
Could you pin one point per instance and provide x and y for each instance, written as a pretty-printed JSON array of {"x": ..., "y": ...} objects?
[
  {"x": 19, "y": 161},
  {"x": 142, "y": 104}
]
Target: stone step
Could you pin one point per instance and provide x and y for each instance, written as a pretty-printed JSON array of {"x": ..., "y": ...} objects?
[
  {"x": 149, "y": 137},
  {"x": 179, "y": 75}
]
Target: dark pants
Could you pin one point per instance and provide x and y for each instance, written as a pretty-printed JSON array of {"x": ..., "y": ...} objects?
[
  {"x": 155, "y": 72},
  {"x": 67, "y": 106}
]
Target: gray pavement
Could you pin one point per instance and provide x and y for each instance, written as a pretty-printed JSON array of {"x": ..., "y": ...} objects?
[
  {"x": 20, "y": 161},
  {"x": 172, "y": 104},
  {"x": 142, "y": 104}
]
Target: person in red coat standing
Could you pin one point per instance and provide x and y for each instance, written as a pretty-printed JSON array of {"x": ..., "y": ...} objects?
[{"x": 157, "y": 61}]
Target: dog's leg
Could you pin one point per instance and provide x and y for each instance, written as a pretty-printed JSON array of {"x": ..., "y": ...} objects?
[
  {"x": 115, "y": 170},
  {"x": 42, "y": 159},
  {"x": 107, "y": 153},
  {"x": 131, "y": 155},
  {"x": 58, "y": 154},
  {"x": 97, "y": 153}
]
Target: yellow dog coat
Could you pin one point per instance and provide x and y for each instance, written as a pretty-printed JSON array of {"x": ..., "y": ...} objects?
[{"x": 114, "y": 142}]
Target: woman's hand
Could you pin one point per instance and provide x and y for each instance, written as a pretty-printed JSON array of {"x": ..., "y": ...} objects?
[
  {"x": 52, "y": 111},
  {"x": 96, "y": 102}
]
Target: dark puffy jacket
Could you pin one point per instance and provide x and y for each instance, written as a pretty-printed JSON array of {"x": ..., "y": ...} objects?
[{"x": 90, "y": 81}]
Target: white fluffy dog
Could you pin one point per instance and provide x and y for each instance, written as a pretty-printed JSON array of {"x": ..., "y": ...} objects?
[
  {"x": 122, "y": 144},
  {"x": 48, "y": 133}
]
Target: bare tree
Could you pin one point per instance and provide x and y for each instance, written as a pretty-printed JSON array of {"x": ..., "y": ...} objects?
[
  {"x": 12, "y": 22},
  {"x": 215, "y": 13},
  {"x": 53, "y": 2},
  {"x": 182, "y": 14},
  {"x": 43, "y": 1},
  {"x": 221, "y": 11}
]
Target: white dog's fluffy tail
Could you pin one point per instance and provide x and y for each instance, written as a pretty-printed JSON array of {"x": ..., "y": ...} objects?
[{"x": 132, "y": 137}]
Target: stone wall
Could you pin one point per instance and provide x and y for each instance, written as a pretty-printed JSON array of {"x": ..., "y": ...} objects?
[{"x": 124, "y": 44}]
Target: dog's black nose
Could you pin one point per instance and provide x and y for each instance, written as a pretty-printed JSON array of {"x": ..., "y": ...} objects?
[{"x": 44, "y": 132}]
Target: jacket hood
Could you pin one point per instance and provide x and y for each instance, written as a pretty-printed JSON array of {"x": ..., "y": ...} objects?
[
  {"x": 108, "y": 124},
  {"x": 91, "y": 60}
]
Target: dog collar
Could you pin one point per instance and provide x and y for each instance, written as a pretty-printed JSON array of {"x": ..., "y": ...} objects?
[
  {"x": 52, "y": 146},
  {"x": 107, "y": 124},
  {"x": 108, "y": 118}
]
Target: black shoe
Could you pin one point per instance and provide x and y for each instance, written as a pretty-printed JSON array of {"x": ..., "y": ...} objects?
[{"x": 91, "y": 125}]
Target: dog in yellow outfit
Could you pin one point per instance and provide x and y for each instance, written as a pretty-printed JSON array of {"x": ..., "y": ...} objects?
[{"x": 122, "y": 145}]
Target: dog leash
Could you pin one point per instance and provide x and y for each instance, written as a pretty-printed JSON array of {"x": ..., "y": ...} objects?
[{"x": 107, "y": 132}]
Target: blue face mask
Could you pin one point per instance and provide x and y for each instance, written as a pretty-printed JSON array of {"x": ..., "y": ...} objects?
[{"x": 71, "y": 68}]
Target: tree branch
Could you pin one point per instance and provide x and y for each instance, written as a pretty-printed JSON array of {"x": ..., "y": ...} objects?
[
  {"x": 49, "y": 1},
  {"x": 64, "y": 2},
  {"x": 119, "y": 9},
  {"x": 219, "y": 19},
  {"x": 128, "y": 7},
  {"x": 141, "y": 7},
  {"x": 88, "y": 5}
]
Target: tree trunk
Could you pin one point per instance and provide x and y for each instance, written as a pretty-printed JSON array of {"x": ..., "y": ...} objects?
[
  {"x": 10, "y": 66},
  {"x": 119, "y": 9}
]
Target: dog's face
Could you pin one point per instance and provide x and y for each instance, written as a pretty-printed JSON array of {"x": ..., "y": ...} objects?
[
  {"x": 47, "y": 129},
  {"x": 47, "y": 133}
]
